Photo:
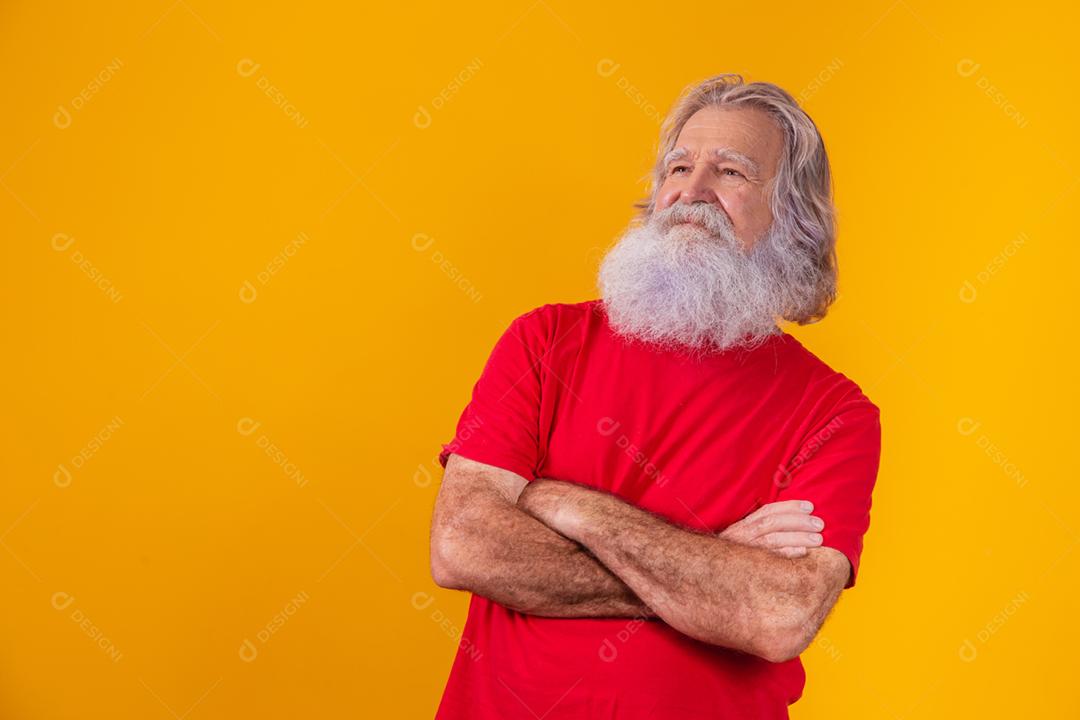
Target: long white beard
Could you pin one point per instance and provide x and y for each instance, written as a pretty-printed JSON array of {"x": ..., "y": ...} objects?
[{"x": 693, "y": 288}]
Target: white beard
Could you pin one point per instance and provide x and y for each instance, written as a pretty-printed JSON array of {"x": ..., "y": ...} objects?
[{"x": 693, "y": 288}]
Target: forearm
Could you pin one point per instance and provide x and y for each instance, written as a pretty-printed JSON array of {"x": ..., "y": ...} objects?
[
  {"x": 494, "y": 549},
  {"x": 706, "y": 587},
  {"x": 702, "y": 585}
]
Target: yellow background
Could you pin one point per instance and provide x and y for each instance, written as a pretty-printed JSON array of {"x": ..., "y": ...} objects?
[{"x": 235, "y": 455}]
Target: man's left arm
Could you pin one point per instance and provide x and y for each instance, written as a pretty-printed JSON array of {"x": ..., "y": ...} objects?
[{"x": 707, "y": 587}]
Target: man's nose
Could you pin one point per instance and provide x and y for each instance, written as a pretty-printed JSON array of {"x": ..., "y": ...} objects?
[{"x": 698, "y": 189}]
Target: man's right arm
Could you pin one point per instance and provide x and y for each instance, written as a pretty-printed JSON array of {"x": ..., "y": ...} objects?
[{"x": 482, "y": 542}]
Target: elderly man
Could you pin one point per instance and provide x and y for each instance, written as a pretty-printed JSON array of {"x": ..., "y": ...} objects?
[{"x": 657, "y": 497}]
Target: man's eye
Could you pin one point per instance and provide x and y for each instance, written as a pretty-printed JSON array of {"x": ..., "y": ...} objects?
[
  {"x": 677, "y": 168},
  {"x": 732, "y": 170}
]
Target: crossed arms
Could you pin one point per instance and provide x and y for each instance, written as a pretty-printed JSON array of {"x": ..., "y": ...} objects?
[{"x": 559, "y": 549}]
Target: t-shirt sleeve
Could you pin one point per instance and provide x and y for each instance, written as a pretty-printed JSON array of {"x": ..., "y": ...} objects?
[
  {"x": 500, "y": 424},
  {"x": 836, "y": 469}
]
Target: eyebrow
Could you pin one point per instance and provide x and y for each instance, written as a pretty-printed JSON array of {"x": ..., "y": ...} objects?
[{"x": 719, "y": 154}]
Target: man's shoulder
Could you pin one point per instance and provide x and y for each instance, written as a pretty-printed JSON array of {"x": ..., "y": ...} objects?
[
  {"x": 822, "y": 380},
  {"x": 557, "y": 314}
]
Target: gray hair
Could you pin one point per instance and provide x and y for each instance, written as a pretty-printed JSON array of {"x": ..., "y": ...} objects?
[{"x": 804, "y": 216}]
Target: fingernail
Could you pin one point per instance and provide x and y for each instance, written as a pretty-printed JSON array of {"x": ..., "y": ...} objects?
[
  {"x": 818, "y": 523},
  {"x": 807, "y": 505}
]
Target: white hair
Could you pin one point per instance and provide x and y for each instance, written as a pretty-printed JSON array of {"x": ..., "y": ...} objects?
[
  {"x": 693, "y": 288},
  {"x": 803, "y": 227}
]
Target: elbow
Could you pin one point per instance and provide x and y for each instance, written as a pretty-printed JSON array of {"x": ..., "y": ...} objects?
[
  {"x": 765, "y": 636},
  {"x": 773, "y": 646},
  {"x": 758, "y": 638},
  {"x": 779, "y": 640},
  {"x": 791, "y": 621},
  {"x": 441, "y": 573},
  {"x": 781, "y": 648},
  {"x": 444, "y": 568}
]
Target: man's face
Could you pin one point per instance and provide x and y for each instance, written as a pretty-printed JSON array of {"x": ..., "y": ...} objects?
[
  {"x": 708, "y": 269},
  {"x": 724, "y": 157}
]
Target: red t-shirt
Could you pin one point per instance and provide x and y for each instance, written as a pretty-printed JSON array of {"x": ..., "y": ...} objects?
[{"x": 699, "y": 442}]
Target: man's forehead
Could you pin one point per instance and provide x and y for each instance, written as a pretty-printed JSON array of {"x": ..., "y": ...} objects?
[
  {"x": 712, "y": 125},
  {"x": 697, "y": 134},
  {"x": 733, "y": 124}
]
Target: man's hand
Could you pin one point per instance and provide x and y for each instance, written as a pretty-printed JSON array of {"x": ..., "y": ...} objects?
[{"x": 785, "y": 527}]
